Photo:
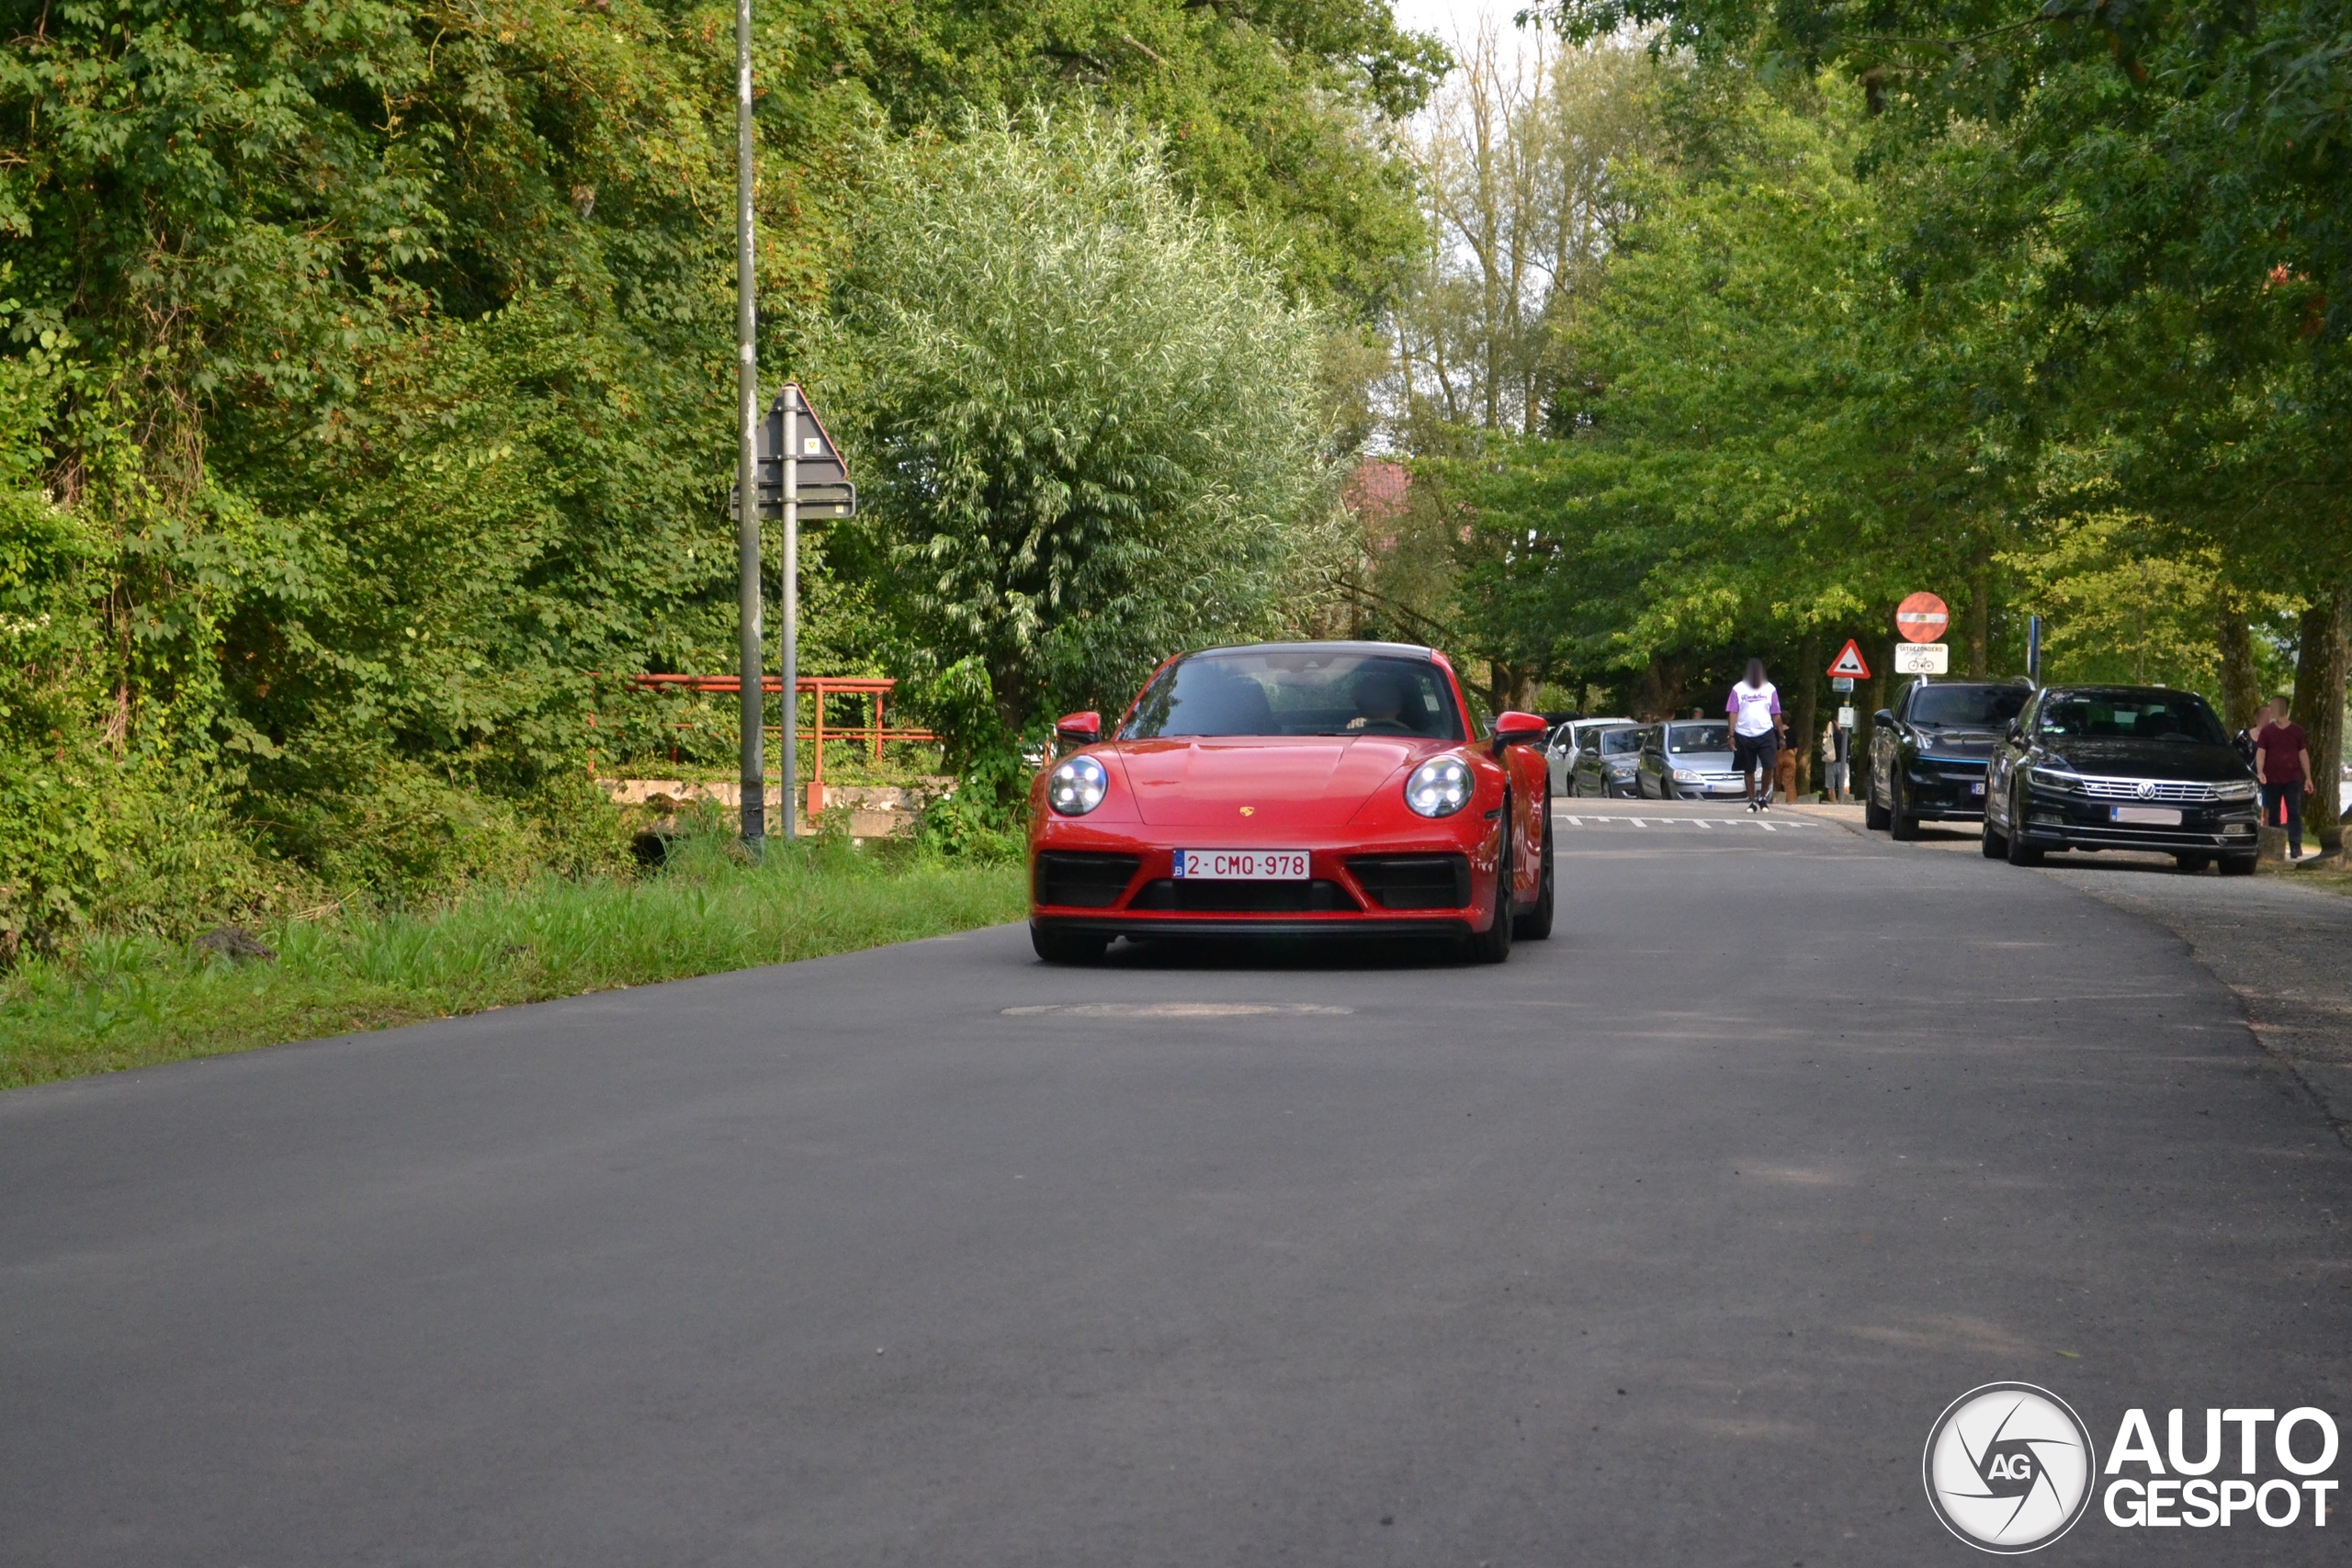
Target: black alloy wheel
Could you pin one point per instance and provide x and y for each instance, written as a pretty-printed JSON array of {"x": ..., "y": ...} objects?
[
  {"x": 1900, "y": 824},
  {"x": 1493, "y": 944},
  {"x": 2020, "y": 852},
  {"x": 2237, "y": 865},
  {"x": 1536, "y": 924},
  {"x": 2192, "y": 859}
]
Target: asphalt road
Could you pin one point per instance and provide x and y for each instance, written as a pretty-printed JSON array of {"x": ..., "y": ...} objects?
[{"x": 1664, "y": 1243}]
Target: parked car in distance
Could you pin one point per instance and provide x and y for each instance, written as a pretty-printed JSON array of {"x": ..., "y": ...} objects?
[
  {"x": 1688, "y": 759},
  {"x": 2121, "y": 767},
  {"x": 1927, "y": 753},
  {"x": 1606, "y": 763},
  {"x": 1567, "y": 744}
]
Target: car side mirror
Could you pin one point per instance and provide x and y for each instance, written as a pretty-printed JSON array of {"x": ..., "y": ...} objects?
[
  {"x": 1079, "y": 728},
  {"x": 1884, "y": 716},
  {"x": 2016, "y": 730},
  {"x": 1518, "y": 729}
]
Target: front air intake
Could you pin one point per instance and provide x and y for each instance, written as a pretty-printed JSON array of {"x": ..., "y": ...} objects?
[
  {"x": 1076, "y": 881},
  {"x": 1414, "y": 882}
]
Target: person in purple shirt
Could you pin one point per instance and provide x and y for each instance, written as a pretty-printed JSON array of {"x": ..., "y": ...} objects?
[{"x": 1754, "y": 709}]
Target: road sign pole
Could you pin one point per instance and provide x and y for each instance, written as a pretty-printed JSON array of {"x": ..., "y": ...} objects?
[
  {"x": 792, "y": 612},
  {"x": 2033, "y": 649},
  {"x": 750, "y": 707}
]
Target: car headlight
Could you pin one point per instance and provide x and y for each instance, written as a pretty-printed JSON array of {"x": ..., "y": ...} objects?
[
  {"x": 1076, "y": 785},
  {"x": 1684, "y": 775},
  {"x": 2243, "y": 789},
  {"x": 1439, "y": 787},
  {"x": 2051, "y": 778}
]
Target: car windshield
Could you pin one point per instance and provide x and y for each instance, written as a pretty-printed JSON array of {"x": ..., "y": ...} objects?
[
  {"x": 1620, "y": 742},
  {"x": 1968, "y": 707},
  {"x": 2133, "y": 716},
  {"x": 1298, "y": 691},
  {"x": 1683, "y": 738}
]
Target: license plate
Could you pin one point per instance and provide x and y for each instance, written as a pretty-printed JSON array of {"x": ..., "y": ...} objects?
[
  {"x": 1242, "y": 865},
  {"x": 1977, "y": 788},
  {"x": 2147, "y": 816}
]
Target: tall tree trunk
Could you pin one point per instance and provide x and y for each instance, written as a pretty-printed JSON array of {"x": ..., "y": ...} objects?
[
  {"x": 1808, "y": 712},
  {"x": 2241, "y": 683},
  {"x": 1980, "y": 612},
  {"x": 2319, "y": 708}
]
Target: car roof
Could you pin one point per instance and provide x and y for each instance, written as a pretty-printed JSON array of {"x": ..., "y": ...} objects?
[
  {"x": 2106, "y": 691},
  {"x": 1388, "y": 649}
]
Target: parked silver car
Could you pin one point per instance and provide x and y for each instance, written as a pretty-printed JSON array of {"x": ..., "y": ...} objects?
[
  {"x": 1688, "y": 759},
  {"x": 1606, "y": 765},
  {"x": 1567, "y": 745}
]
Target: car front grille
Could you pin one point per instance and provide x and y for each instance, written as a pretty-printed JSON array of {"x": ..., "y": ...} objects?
[
  {"x": 2172, "y": 792},
  {"x": 1079, "y": 881},
  {"x": 1414, "y": 882},
  {"x": 1193, "y": 896}
]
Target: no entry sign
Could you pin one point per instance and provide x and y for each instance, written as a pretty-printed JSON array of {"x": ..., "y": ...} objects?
[{"x": 1921, "y": 618}]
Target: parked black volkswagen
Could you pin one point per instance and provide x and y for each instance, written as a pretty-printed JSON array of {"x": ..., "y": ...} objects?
[
  {"x": 2121, "y": 768},
  {"x": 1927, "y": 753}
]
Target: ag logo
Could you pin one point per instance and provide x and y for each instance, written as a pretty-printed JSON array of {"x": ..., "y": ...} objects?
[{"x": 2009, "y": 1468}]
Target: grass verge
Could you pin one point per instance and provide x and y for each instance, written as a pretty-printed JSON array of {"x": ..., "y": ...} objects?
[{"x": 133, "y": 1001}]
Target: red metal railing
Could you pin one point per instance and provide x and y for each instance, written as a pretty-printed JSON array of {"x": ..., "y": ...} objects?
[{"x": 875, "y": 733}]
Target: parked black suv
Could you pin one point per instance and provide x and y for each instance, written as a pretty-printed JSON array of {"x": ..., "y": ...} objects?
[
  {"x": 1927, "y": 753},
  {"x": 2121, "y": 767}
]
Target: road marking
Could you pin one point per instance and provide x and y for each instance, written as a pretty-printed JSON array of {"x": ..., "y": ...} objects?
[{"x": 1174, "y": 1010}]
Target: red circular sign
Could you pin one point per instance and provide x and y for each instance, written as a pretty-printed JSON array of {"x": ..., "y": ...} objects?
[{"x": 1921, "y": 618}]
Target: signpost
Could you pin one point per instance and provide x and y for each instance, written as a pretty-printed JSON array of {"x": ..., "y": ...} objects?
[
  {"x": 1922, "y": 658},
  {"x": 1922, "y": 618},
  {"x": 797, "y": 466},
  {"x": 2033, "y": 649},
  {"x": 1848, "y": 665},
  {"x": 750, "y": 711}
]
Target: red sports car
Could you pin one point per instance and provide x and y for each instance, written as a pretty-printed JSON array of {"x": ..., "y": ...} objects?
[{"x": 1293, "y": 788}]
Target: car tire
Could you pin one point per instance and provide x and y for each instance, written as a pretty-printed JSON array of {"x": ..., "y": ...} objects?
[
  {"x": 1996, "y": 844},
  {"x": 1900, "y": 824},
  {"x": 1493, "y": 944},
  {"x": 1068, "y": 947},
  {"x": 2195, "y": 860},
  {"x": 2020, "y": 852},
  {"x": 2237, "y": 865},
  {"x": 1536, "y": 924},
  {"x": 1872, "y": 818}
]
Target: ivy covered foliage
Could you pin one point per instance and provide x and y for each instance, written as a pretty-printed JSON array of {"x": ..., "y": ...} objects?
[{"x": 365, "y": 404}]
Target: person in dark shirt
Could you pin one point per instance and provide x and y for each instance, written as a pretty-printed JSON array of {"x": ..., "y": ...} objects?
[{"x": 2282, "y": 762}]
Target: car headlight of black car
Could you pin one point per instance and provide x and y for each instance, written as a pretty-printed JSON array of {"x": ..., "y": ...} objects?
[
  {"x": 1439, "y": 787},
  {"x": 2237, "y": 789},
  {"x": 1076, "y": 785},
  {"x": 2053, "y": 778}
]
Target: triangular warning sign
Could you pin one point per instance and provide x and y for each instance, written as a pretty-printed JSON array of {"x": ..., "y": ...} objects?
[{"x": 1848, "y": 663}]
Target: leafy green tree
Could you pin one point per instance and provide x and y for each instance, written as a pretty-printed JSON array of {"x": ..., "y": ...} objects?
[{"x": 1092, "y": 418}]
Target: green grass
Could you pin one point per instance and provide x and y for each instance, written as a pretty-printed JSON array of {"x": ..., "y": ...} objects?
[{"x": 130, "y": 1001}]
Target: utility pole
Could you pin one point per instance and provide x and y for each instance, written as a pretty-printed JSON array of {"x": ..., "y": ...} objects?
[
  {"x": 792, "y": 611},
  {"x": 747, "y": 463}
]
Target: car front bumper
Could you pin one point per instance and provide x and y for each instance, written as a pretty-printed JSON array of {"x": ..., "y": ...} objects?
[
  {"x": 1936, "y": 790},
  {"x": 2062, "y": 821}
]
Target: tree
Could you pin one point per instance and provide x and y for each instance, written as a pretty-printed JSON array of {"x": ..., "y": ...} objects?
[{"x": 1090, "y": 415}]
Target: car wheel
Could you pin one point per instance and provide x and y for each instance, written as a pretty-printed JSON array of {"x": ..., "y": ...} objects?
[
  {"x": 1996, "y": 845},
  {"x": 1536, "y": 924},
  {"x": 2237, "y": 865},
  {"x": 1872, "y": 818},
  {"x": 1493, "y": 944},
  {"x": 1900, "y": 824},
  {"x": 2020, "y": 852},
  {"x": 2192, "y": 862},
  {"x": 1066, "y": 947}
]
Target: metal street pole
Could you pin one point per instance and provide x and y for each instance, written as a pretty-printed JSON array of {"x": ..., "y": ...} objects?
[
  {"x": 747, "y": 456},
  {"x": 792, "y": 610}
]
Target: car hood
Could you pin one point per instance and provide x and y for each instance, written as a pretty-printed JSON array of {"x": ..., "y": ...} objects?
[
  {"x": 2144, "y": 759},
  {"x": 1285, "y": 780}
]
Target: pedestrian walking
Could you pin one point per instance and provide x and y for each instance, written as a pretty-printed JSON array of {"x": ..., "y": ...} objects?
[
  {"x": 1754, "y": 709},
  {"x": 1835, "y": 770},
  {"x": 2282, "y": 762}
]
